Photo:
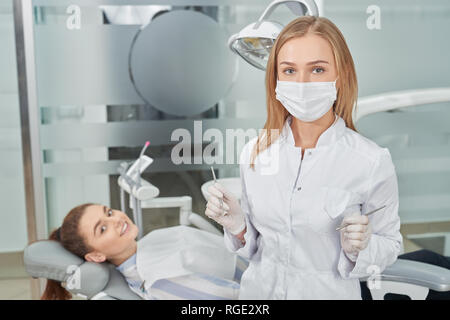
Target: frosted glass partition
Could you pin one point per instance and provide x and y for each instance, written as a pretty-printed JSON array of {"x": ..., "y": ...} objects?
[
  {"x": 90, "y": 136},
  {"x": 13, "y": 231},
  {"x": 408, "y": 50},
  {"x": 80, "y": 67},
  {"x": 419, "y": 141}
]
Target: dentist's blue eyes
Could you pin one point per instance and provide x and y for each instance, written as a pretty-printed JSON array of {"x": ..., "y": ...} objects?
[
  {"x": 315, "y": 70},
  {"x": 288, "y": 71},
  {"x": 318, "y": 68},
  {"x": 109, "y": 213}
]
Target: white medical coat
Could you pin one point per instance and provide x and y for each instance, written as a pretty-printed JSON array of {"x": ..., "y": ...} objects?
[{"x": 293, "y": 206}]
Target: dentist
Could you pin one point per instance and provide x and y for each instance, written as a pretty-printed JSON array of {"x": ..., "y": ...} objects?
[{"x": 323, "y": 174}]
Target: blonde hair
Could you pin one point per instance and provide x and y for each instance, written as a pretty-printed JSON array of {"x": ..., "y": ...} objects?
[{"x": 347, "y": 84}]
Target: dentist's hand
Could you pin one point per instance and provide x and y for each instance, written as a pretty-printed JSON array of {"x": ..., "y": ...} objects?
[
  {"x": 356, "y": 235},
  {"x": 231, "y": 216}
]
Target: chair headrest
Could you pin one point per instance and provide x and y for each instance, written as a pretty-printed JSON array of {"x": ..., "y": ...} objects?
[{"x": 49, "y": 259}]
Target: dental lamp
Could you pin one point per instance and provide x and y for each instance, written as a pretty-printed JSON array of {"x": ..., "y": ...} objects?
[{"x": 254, "y": 42}]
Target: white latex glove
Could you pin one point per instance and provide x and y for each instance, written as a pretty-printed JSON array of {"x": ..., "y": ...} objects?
[
  {"x": 356, "y": 235},
  {"x": 231, "y": 216}
]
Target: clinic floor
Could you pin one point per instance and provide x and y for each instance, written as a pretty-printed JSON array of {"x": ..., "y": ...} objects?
[{"x": 15, "y": 284}]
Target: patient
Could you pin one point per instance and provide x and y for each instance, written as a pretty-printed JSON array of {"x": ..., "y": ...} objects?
[{"x": 97, "y": 233}]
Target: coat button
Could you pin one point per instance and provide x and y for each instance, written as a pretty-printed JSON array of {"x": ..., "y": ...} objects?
[{"x": 299, "y": 188}]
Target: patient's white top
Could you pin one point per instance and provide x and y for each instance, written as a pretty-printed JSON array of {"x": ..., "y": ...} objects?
[
  {"x": 175, "y": 263},
  {"x": 293, "y": 206},
  {"x": 187, "y": 287}
]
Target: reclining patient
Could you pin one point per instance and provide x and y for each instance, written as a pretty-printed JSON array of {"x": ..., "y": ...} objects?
[{"x": 169, "y": 263}]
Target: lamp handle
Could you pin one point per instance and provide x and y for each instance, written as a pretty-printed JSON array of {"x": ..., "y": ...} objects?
[{"x": 231, "y": 41}]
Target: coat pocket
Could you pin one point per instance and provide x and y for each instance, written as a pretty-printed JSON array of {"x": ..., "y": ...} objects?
[
  {"x": 340, "y": 201},
  {"x": 337, "y": 203}
]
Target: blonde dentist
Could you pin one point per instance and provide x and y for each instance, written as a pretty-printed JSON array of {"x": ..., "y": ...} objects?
[{"x": 327, "y": 175}]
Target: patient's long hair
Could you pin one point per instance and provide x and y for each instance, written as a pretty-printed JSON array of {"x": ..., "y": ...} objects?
[
  {"x": 346, "y": 84},
  {"x": 70, "y": 238}
]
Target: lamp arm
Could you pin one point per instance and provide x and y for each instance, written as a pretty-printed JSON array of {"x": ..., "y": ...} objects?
[{"x": 298, "y": 7}]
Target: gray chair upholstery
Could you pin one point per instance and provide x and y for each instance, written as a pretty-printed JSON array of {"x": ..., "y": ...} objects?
[
  {"x": 48, "y": 259},
  {"x": 418, "y": 273}
]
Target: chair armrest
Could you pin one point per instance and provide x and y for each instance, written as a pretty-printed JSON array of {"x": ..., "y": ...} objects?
[{"x": 418, "y": 273}]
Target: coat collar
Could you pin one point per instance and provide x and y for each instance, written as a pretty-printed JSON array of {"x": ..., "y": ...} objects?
[{"x": 328, "y": 137}]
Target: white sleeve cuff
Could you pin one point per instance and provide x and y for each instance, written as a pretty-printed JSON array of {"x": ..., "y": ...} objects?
[
  {"x": 379, "y": 253},
  {"x": 345, "y": 265},
  {"x": 235, "y": 245},
  {"x": 352, "y": 256}
]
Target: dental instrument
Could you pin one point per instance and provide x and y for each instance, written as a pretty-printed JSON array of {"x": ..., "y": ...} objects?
[
  {"x": 366, "y": 214},
  {"x": 215, "y": 181},
  {"x": 138, "y": 167},
  {"x": 144, "y": 195},
  {"x": 147, "y": 143}
]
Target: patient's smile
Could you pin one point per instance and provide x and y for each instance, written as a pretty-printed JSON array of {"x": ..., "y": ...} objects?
[{"x": 124, "y": 228}]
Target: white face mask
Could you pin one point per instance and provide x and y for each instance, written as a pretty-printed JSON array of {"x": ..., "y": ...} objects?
[{"x": 307, "y": 101}]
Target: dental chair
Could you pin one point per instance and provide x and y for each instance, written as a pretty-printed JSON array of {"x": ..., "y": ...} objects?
[
  {"x": 93, "y": 281},
  {"x": 101, "y": 281}
]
